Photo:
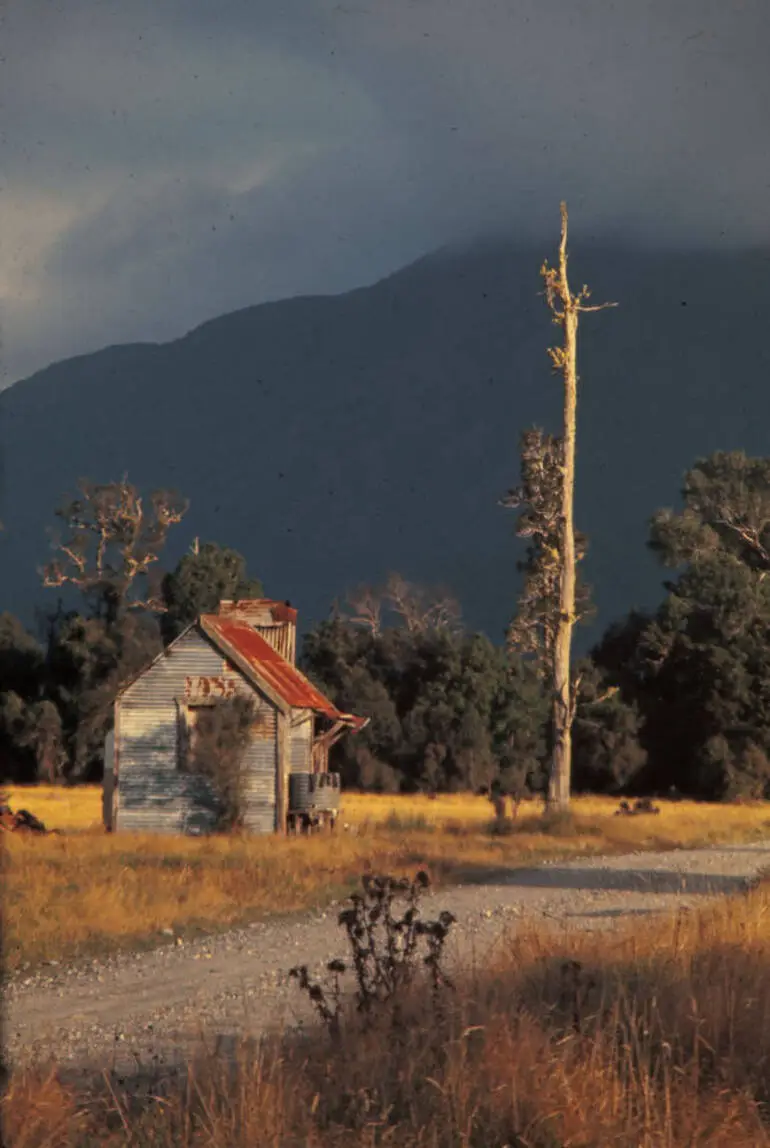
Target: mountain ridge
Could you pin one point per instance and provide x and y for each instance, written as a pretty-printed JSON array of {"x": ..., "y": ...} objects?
[{"x": 332, "y": 438}]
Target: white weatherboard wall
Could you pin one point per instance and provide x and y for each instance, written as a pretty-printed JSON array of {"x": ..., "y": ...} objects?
[{"x": 154, "y": 794}]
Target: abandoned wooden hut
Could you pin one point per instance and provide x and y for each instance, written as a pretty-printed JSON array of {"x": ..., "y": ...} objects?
[{"x": 247, "y": 648}]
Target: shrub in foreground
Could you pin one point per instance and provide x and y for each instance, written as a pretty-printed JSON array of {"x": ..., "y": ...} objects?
[{"x": 387, "y": 945}]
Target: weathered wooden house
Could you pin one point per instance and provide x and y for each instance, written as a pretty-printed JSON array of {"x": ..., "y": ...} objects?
[{"x": 246, "y": 648}]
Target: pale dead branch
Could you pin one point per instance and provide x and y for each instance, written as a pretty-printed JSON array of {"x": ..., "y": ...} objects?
[{"x": 113, "y": 541}]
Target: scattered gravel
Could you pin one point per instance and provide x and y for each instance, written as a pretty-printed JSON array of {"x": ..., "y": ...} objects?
[{"x": 150, "y": 1008}]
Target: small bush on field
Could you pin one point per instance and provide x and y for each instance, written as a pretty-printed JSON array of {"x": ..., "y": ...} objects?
[
  {"x": 413, "y": 823},
  {"x": 642, "y": 806},
  {"x": 505, "y": 827},
  {"x": 559, "y": 824},
  {"x": 387, "y": 947}
]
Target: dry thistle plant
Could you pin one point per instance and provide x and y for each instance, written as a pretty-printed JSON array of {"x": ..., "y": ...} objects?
[{"x": 387, "y": 946}]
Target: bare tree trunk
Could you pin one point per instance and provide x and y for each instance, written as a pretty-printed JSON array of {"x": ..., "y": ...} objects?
[
  {"x": 564, "y": 359},
  {"x": 561, "y": 764}
]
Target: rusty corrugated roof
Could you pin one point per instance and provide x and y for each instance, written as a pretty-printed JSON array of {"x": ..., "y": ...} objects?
[{"x": 267, "y": 664}]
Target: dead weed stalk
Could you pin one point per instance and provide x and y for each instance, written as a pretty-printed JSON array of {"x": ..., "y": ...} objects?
[{"x": 388, "y": 943}]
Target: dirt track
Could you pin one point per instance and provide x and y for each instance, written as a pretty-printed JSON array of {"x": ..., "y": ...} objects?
[{"x": 138, "y": 1007}]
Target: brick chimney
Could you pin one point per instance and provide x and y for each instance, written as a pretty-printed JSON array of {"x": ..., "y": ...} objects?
[{"x": 276, "y": 622}]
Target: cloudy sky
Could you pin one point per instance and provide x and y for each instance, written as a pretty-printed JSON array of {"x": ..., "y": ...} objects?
[{"x": 165, "y": 161}]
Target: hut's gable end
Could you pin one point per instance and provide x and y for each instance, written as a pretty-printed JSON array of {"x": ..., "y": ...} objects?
[
  {"x": 154, "y": 792},
  {"x": 163, "y": 679}
]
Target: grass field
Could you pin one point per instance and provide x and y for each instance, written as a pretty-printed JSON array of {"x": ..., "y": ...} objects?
[
  {"x": 657, "y": 1037},
  {"x": 87, "y": 892}
]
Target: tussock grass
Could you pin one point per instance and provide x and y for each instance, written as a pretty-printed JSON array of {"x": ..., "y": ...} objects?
[
  {"x": 87, "y": 892},
  {"x": 651, "y": 1037}
]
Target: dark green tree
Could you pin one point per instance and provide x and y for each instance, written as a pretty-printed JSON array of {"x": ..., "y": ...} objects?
[
  {"x": 22, "y": 671},
  {"x": 699, "y": 667},
  {"x": 341, "y": 659},
  {"x": 448, "y": 710},
  {"x": 519, "y": 725},
  {"x": 726, "y": 513},
  {"x": 34, "y": 735},
  {"x": 89, "y": 661},
  {"x": 21, "y": 658},
  {"x": 532, "y": 631},
  {"x": 608, "y": 753},
  {"x": 109, "y": 551},
  {"x": 202, "y": 578}
]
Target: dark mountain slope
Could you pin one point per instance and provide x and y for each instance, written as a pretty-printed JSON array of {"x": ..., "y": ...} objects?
[{"x": 332, "y": 439}]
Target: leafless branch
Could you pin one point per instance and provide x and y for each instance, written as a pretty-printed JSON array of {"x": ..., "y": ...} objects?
[
  {"x": 421, "y": 610},
  {"x": 113, "y": 540},
  {"x": 751, "y": 536},
  {"x": 366, "y": 602},
  {"x": 605, "y": 697}
]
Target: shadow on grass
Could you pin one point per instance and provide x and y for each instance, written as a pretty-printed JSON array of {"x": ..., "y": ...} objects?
[
  {"x": 601, "y": 879},
  {"x": 609, "y": 914}
]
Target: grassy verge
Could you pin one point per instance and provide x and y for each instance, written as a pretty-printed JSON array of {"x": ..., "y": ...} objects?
[
  {"x": 86, "y": 893},
  {"x": 651, "y": 1037}
]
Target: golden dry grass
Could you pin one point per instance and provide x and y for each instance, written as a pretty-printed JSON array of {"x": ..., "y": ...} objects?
[
  {"x": 680, "y": 823},
  {"x": 661, "y": 1041},
  {"x": 87, "y": 892},
  {"x": 58, "y": 806}
]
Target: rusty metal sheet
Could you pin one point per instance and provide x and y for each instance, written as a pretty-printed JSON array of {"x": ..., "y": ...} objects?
[
  {"x": 264, "y": 610},
  {"x": 275, "y": 621},
  {"x": 277, "y": 673}
]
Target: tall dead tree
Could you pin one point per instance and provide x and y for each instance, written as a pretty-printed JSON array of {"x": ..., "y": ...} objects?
[
  {"x": 552, "y": 596},
  {"x": 566, "y": 309}
]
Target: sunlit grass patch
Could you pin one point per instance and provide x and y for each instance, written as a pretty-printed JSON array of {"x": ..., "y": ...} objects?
[
  {"x": 59, "y": 806},
  {"x": 87, "y": 891}
]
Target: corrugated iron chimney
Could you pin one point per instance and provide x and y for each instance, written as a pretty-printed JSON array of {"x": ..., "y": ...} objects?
[{"x": 276, "y": 622}]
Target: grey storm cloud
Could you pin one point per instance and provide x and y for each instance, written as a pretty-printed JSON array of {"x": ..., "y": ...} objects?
[{"x": 166, "y": 163}]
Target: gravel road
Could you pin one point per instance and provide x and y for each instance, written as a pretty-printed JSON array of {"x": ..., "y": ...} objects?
[{"x": 149, "y": 1008}]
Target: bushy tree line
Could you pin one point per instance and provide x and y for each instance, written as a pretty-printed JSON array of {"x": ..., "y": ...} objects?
[
  {"x": 676, "y": 697},
  {"x": 698, "y": 667},
  {"x": 450, "y": 710}
]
